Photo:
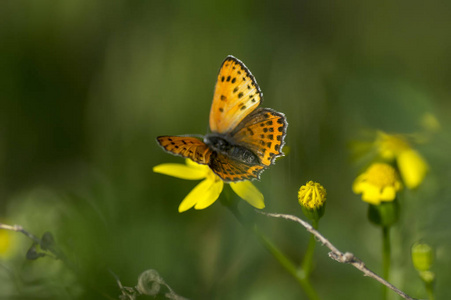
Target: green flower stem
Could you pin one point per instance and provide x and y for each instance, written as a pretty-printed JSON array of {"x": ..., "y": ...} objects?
[
  {"x": 307, "y": 263},
  {"x": 386, "y": 251},
  {"x": 283, "y": 260},
  {"x": 430, "y": 290},
  {"x": 288, "y": 265}
]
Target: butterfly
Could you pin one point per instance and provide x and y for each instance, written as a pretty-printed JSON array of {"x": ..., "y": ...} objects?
[{"x": 244, "y": 139}]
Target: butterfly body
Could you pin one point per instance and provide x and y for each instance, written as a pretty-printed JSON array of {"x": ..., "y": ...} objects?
[
  {"x": 244, "y": 138},
  {"x": 219, "y": 143}
]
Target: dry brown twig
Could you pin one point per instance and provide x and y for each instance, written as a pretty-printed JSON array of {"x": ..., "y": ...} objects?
[
  {"x": 337, "y": 255},
  {"x": 149, "y": 281},
  {"x": 18, "y": 228}
]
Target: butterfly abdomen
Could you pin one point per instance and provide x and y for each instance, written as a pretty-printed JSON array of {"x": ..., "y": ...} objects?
[{"x": 237, "y": 152}]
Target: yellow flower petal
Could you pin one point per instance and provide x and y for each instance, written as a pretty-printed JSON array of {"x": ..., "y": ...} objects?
[
  {"x": 191, "y": 199},
  {"x": 211, "y": 194},
  {"x": 248, "y": 192},
  {"x": 203, "y": 195},
  {"x": 388, "y": 194},
  {"x": 378, "y": 183},
  {"x": 357, "y": 185},
  {"x": 370, "y": 194},
  {"x": 195, "y": 165},
  {"x": 182, "y": 171},
  {"x": 412, "y": 167},
  {"x": 390, "y": 145}
]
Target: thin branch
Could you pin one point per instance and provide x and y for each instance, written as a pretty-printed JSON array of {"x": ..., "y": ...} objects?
[
  {"x": 337, "y": 255},
  {"x": 46, "y": 243},
  {"x": 49, "y": 247},
  {"x": 18, "y": 228},
  {"x": 127, "y": 292}
]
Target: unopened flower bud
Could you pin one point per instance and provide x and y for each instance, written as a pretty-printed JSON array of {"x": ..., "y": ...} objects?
[{"x": 312, "y": 198}]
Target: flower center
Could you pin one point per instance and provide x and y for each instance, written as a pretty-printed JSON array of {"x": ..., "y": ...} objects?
[{"x": 381, "y": 175}]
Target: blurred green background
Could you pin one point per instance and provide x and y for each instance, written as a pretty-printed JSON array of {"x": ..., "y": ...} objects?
[{"x": 86, "y": 86}]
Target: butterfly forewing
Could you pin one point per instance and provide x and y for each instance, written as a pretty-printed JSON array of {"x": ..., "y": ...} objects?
[
  {"x": 236, "y": 96},
  {"x": 232, "y": 170},
  {"x": 263, "y": 132},
  {"x": 185, "y": 146}
]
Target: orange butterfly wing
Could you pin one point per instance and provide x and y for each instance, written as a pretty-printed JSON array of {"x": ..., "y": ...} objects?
[
  {"x": 263, "y": 132},
  {"x": 223, "y": 166},
  {"x": 236, "y": 96},
  {"x": 185, "y": 146},
  {"x": 235, "y": 117},
  {"x": 233, "y": 170}
]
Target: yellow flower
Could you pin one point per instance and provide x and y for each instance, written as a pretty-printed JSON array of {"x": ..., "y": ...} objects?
[
  {"x": 412, "y": 166},
  {"x": 390, "y": 146},
  {"x": 312, "y": 195},
  {"x": 208, "y": 190},
  {"x": 379, "y": 183}
]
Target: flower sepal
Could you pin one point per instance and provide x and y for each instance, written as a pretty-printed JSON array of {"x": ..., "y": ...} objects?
[
  {"x": 422, "y": 256},
  {"x": 385, "y": 214},
  {"x": 428, "y": 277},
  {"x": 314, "y": 214},
  {"x": 423, "y": 260}
]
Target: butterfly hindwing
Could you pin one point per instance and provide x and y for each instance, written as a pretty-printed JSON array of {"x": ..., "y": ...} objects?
[
  {"x": 185, "y": 146},
  {"x": 232, "y": 170},
  {"x": 263, "y": 132},
  {"x": 236, "y": 95}
]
